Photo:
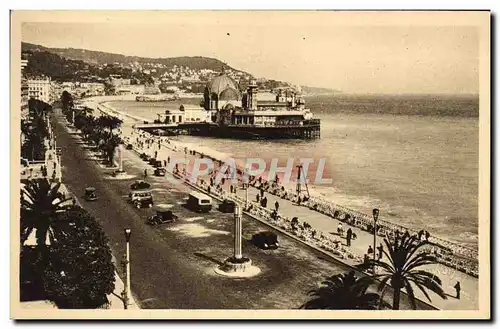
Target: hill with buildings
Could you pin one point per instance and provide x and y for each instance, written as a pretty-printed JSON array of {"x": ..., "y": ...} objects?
[{"x": 189, "y": 73}]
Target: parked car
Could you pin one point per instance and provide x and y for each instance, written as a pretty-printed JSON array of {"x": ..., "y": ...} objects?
[
  {"x": 90, "y": 194},
  {"x": 163, "y": 215},
  {"x": 227, "y": 206},
  {"x": 266, "y": 240},
  {"x": 129, "y": 147},
  {"x": 152, "y": 161}
]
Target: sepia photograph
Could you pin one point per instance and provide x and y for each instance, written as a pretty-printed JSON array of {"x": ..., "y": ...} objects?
[{"x": 250, "y": 164}]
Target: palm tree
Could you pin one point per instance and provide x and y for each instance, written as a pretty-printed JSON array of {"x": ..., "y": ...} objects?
[
  {"x": 343, "y": 292},
  {"x": 41, "y": 203},
  {"x": 405, "y": 258}
]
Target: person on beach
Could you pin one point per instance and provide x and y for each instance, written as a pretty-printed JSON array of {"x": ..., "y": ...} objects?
[
  {"x": 340, "y": 229},
  {"x": 457, "y": 289},
  {"x": 420, "y": 234},
  {"x": 348, "y": 237},
  {"x": 380, "y": 251}
]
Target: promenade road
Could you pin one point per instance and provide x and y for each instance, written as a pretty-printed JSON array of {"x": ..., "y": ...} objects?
[
  {"x": 173, "y": 265},
  {"x": 470, "y": 285}
]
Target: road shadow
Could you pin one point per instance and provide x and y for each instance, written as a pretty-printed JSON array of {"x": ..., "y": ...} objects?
[{"x": 211, "y": 259}]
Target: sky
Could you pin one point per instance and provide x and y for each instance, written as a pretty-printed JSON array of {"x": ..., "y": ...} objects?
[{"x": 313, "y": 49}]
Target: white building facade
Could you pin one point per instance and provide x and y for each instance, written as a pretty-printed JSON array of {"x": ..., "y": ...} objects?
[{"x": 39, "y": 88}]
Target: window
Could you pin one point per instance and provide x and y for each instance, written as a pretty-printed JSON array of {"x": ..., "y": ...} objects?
[{"x": 205, "y": 201}]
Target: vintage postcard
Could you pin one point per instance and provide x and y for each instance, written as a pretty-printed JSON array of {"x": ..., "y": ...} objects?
[{"x": 250, "y": 164}]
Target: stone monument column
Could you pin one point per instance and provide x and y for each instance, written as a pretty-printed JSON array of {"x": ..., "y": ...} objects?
[{"x": 237, "y": 232}]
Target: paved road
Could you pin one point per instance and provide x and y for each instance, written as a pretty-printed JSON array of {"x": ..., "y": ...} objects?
[{"x": 172, "y": 266}]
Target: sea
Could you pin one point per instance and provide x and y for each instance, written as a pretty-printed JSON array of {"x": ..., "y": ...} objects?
[{"x": 415, "y": 157}]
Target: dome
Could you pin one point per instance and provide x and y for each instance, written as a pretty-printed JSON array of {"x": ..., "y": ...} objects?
[{"x": 224, "y": 87}]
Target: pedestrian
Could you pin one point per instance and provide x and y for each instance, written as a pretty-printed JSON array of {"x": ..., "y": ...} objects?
[
  {"x": 262, "y": 193},
  {"x": 340, "y": 230},
  {"x": 380, "y": 251},
  {"x": 348, "y": 237},
  {"x": 258, "y": 197},
  {"x": 276, "y": 206},
  {"x": 427, "y": 235},
  {"x": 457, "y": 289},
  {"x": 156, "y": 154},
  {"x": 145, "y": 173},
  {"x": 370, "y": 250},
  {"x": 231, "y": 188},
  {"x": 164, "y": 163}
]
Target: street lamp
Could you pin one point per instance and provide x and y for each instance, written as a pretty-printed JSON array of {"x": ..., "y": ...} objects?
[
  {"x": 375, "y": 218},
  {"x": 127, "y": 295}
]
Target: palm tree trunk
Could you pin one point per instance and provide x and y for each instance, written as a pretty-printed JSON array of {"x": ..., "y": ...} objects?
[{"x": 396, "y": 297}]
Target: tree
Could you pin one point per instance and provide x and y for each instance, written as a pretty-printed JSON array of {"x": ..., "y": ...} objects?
[
  {"x": 41, "y": 202},
  {"x": 66, "y": 101},
  {"x": 405, "y": 258},
  {"x": 343, "y": 292},
  {"x": 80, "y": 273},
  {"x": 110, "y": 122}
]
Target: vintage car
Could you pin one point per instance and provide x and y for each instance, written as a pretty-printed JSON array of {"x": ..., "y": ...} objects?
[
  {"x": 141, "y": 198},
  {"x": 144, "y": 157},
  {"x": 152, "y": 161},
  {"x": 163, "y": 215},
  {"x": 157, "y": 164},
  {"x": 129, "y": 147},
  {"x": 140, "y": 194},
  {"x": 90, "y": 194},
  {"x": 199, "y": 202},
  {"x": 227, "y": 206},
  {"x": 265, "y": 240},
  {"x": 160, "y": 172}
]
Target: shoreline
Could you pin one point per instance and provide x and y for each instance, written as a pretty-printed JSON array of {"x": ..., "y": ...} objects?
[{"x": 315, "y": 196}]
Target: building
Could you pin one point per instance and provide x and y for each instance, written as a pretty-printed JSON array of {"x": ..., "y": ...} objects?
[
  {"x": 40, "y": 88},
  {"x": 24, "y": 90}
]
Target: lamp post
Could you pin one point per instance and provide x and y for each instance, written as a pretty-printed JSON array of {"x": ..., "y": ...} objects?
[
  {"x": 127, "y": 295},
  {"x": 375, "y": 218}
]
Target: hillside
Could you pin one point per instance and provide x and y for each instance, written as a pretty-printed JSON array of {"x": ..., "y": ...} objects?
[
  {"x": 88, "y": 65},
  {"x": 100, "y": 58}
]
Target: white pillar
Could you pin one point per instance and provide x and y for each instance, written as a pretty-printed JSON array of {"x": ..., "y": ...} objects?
[
  {"x": 237, "y": 232},
  {"x": 120, "y": 159},
  {"x": 128, "y": 291}
]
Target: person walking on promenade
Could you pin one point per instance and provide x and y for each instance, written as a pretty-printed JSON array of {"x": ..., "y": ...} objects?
[
  {"x": 380, "y": 251},
  {"x": 145, "y": 173},
  {"x": 164, "y": 163},
  {"x": 457, "y": 289},
  {"x": 261, "y": 192},
  {"x": 276, "y": 206},
  {"x": 258, "y": 197},
  {"x": 340, "y": 230},
  {"x": 370, "y": 250},
  {"x": 156, "y": 154},
  {"x": 349, "y": 236}
]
